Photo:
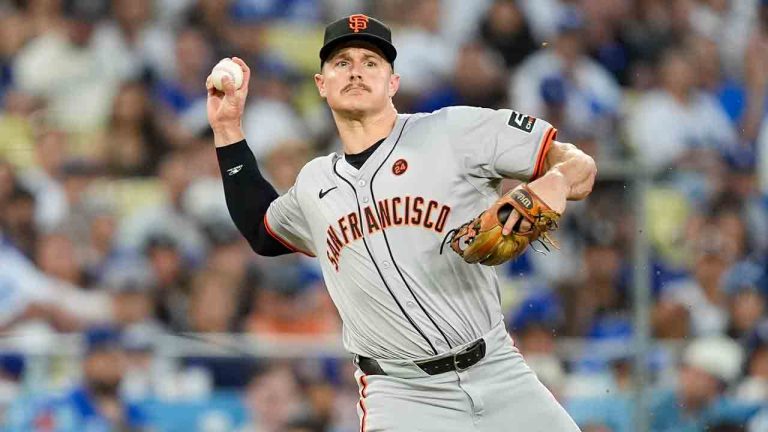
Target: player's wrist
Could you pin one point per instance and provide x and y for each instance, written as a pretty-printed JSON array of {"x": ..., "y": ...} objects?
[
  {"x": 226, "y": 134},
  {"x": 553, "y": 188},
  {"x": 555, "y": 176}
]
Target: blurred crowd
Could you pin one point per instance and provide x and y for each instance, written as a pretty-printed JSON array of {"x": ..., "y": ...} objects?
[{"x": 113, "y": 223}]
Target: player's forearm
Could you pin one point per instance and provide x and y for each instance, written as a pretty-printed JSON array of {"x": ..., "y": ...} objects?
[
  {"x": 248, "y": 197},
  {"x": 576, "y": 172}
]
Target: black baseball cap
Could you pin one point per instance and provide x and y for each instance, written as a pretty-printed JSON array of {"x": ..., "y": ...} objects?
[{"x": 358, "y": 27}]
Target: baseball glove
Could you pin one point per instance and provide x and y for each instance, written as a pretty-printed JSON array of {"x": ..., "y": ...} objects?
[{"x": 480, "y": 240}]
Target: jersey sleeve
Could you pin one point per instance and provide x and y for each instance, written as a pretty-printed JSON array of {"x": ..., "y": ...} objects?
[
  {"x": 499, "y": 144},
  {"x": 286, "y": 222}
]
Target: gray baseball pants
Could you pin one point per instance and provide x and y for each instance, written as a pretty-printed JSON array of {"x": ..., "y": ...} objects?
[{"x": 499, "y": 393}]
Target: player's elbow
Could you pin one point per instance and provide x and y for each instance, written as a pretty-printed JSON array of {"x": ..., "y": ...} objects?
[
  {"x": 264, "y": 245},
  {"x": 588, "y": 169}
]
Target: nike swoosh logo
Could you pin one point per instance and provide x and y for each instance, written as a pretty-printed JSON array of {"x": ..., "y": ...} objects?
[{"x": 324, "y": 193}]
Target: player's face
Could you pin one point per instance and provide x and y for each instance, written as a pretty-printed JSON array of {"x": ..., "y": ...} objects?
[{"x": 357, "y": 80}]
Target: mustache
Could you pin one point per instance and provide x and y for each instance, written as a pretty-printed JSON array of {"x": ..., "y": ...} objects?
[{"x": 354, "y": 86}]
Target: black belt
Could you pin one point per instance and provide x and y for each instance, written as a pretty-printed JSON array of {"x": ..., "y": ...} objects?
[{"x": 456, "y": 362}]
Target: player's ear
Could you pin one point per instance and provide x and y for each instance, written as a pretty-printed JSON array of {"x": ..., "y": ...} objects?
[
  {"x": 394, "y": 84},
  {"x": 320, "y": 83}
]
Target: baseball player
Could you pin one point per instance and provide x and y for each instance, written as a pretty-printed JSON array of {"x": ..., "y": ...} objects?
[{"x": 426, "y": 327}]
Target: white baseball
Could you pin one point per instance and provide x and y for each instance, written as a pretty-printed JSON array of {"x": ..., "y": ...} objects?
[{"x": 227, "y": 67}]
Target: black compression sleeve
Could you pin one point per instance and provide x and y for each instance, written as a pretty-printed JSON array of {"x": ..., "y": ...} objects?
[{"x": 248, "y": 197}]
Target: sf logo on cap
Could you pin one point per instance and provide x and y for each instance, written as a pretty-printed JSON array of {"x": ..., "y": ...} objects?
[{"x": 358, "y": 22}]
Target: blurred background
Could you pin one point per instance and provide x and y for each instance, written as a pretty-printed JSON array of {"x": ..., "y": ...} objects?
[{"x": 128, "y": 300}]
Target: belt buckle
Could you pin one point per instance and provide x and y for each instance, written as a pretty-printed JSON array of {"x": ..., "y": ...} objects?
[
  {"x": 466, "y": 350},
  {"x": 456, "y": 363}
]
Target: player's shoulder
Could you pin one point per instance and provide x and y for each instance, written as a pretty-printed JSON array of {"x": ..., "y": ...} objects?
[
  {"x": 453, "y": 111},
  {"x": 317, "y": 167},
  {"x": 457, "y": 114}
]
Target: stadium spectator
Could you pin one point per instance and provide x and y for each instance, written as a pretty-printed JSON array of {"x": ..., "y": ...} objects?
[
  {"x": 425, "y": 57},
  {"x": 273, "y": 400},
  {"x": 137, "y": 45},
  {"x": 181, "y": 98},
  {"x": 590, "y": 96},
  {"x": 606, "y": 39},
  {"x": 77, "y": 178},
  {"x": 505, "y": 30},
  {"x": 44, "y": 178},
  {"x": 597, "y": 295},
  {"x": 271, "y": 117},
  {"x": 294, "y": 11},
  {"x": 99, "y": 251},
  {"x": 288, "y": 303},
  {"x": 130, "y": 287},
  {"x": 691, "y": 120},
  {"x": 744, "y": 285},
  {"x": 711, "y": 78},
  {"x": 18, "y": 223},
  {"x": 213, "y": 304},
  {"x": 228, "y": 251},
  {"x": 543, "y": 16},
  {"x": 171, "y": 281},
  {"x": 7, "y": 180},
  {"x": 754, "y": 386},
  {"x": 133, "y": 143},
  {"x": 13, "y": 35},
  {"x": 755, "y": 79},
  {"x": 55, "y": 256},
  {"x": 64, "y": 68},
  {"x": 700, "y": 400},
  {"x": 94, "y": 404},
  {"x": 169, "y": 215},
  {"x": 476, "y": 81},
  {"x": 214, "y": 19},
  {"x": 702, "y": 293},
  {"x": 534, "y": 327}
]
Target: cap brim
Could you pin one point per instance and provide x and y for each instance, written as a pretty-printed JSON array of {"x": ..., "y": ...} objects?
[{"x": 390, "y": 53}]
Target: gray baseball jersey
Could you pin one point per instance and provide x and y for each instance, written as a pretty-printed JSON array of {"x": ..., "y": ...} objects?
[{"x": 377, "y": 231}]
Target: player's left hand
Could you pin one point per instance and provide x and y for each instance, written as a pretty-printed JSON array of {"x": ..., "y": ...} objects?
[
  {"x": 481, "y": 241},
  {"x": 552, "y": 189}
]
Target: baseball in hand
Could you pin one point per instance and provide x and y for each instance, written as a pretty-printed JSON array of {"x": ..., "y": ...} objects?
[{"x": 227, "y": 67}]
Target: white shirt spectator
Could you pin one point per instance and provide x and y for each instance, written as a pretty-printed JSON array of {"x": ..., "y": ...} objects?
[
  {"x": 458, "y": 23},
  {"x": 152, "y": 49},
  {"x": 134, "y": 231},
  {"x": 424, "y": 59},
  {"x": 78, "y": 83},
  {"x": 590, "y": 93},
  {"x": 731, "y": 28},
  {"x": 171, "y": 13},
  {"x": 22, "y": 284},
  {"x": 204, "y": 200},
  {"x": 759, "y": 423},
  {"x": 707, "y": 319},
  {"x": 543, "y": 17},
  {"x": 51, "y": 206},
  {"x": 268, "y": 122},
  {"x": 661, "y": 129}
]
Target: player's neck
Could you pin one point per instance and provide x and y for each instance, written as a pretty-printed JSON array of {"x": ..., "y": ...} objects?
[{"x": 357, "y": 134}]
